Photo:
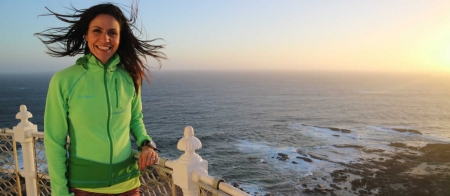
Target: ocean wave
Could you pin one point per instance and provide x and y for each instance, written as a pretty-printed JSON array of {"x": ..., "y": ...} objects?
[
  {"x": 325, "y": 133},
  {"x": 268, "y": 155},
  {"x": 391, "y": 130},
  {"x": 424, "y": 138}
]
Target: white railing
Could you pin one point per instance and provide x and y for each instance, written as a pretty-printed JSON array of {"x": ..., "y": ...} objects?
[{"x": 189, "y": 172}]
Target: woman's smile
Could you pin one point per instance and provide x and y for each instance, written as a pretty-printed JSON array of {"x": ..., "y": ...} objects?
[{"x": 104, "y": 48}]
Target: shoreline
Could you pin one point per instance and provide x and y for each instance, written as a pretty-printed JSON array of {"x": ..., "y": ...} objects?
[{"x": 409, "y": 171}]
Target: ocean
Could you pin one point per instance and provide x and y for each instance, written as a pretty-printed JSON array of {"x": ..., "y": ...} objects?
[{"x": 244, "y": 119}]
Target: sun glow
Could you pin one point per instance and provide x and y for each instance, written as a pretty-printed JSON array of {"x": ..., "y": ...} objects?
[
  {"x": 440, "y": 57},
  {"x": 446, "y": 57}
]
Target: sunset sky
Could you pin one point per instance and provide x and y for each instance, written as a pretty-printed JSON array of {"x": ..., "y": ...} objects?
[{"x": 369, "y": 35}]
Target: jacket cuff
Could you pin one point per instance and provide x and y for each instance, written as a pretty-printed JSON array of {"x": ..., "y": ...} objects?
[{"x": 139, "y": 142}]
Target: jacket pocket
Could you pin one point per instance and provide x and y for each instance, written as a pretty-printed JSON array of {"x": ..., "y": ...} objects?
[{"x": 117, "y": 94}]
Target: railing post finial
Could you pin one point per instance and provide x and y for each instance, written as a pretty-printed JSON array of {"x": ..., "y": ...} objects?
[
  {"x": 184, "y": 167},
  {"x": 23, "y": 116},
  {"x": 23, "y": 134}
]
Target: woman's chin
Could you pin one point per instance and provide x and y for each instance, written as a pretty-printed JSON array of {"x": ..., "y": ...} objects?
[{"x": 103, "y": 57}]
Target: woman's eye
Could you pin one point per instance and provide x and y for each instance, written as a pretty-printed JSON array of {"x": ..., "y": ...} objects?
[
  {"x": 97, "y": 31},
  {"x": 112, "y": 33}
]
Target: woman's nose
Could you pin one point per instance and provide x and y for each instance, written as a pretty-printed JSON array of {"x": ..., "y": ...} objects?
[{"x": 106, "y": 37}]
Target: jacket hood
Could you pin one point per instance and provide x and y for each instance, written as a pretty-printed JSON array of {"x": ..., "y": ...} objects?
[{"x": 89, "y": 60}]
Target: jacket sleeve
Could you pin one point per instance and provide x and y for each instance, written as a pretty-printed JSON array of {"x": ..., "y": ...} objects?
[
  {"x": 55, "y": 136},
  {"x": 137, "y": 124}
]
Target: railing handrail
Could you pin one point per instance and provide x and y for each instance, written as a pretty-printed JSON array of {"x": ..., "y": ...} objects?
[
  {"x": 38, "y": 134},
  {"x": 219, "y": 184},
  {"x": 6, "y": 130}
]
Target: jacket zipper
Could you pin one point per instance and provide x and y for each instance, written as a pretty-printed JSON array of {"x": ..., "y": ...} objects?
[
  {"x": 117, "y": 94},
  {"x": 107, "y": 125}
]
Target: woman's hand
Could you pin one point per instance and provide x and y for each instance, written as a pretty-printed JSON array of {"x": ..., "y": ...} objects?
[{"x": 148, "y": 157}]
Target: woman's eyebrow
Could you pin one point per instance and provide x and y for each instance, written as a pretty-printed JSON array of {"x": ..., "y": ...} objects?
[{"x": 102, "y": 28}]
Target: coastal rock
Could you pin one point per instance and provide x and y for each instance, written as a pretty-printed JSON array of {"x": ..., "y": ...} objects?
[
  {"x": 436, "y": 152},
  {"x": 436, "y": 148},
  {"x": 282, "y": 157},
  {"x": 357, "y": 183},
  {"x": 319, "y": 157},
  {"x": 282, "y": 154},
  {"x": 320, "y": 189},
  {"x": 302, "y": 153},
  {"x": 407, "y": 131},
  {"x": 399, "y": 145},
  {"x": 308, "y": 190},
  {"x": 402, "y": 145},
  {"x": 305, "y": 159},
  {"x": 339, "y": 176},
  {"x": 338, "y": 129},
  {"x": 402, "y": 174},
  {"x": 332, "y": 128},
  {"x": 348, "y": 146},
  {"x": 373, "y": 150},
  {"x": 363, "y": 192},
  {"x": 335, "y": 187}
]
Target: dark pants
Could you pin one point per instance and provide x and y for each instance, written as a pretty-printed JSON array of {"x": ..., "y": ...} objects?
[{"x": 134, "y": 192}]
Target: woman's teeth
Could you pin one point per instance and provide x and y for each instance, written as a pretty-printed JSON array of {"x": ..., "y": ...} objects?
[{"x": 103, "y": 48}]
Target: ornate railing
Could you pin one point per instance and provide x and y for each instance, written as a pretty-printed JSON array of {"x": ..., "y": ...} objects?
[
  {"x": 184, "y": 176},
  {"x": 157, "y": 180},
  {"x": 43, "y": 180},
  {"x": 9, "y": 169}
]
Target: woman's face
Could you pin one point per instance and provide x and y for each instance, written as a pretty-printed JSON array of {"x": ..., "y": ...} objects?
[{"x": 103, "y": 37}]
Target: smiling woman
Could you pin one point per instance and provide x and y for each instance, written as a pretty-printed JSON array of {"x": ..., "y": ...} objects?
[{"x": 97, "y": 103}]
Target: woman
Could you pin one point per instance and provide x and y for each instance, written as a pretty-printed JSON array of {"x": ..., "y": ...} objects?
[{"x": 97, "y": 102}]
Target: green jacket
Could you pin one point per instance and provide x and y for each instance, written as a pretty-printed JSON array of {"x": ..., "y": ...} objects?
[{"x": 97, "y": 106}]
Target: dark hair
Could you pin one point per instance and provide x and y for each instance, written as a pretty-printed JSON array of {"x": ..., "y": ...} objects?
[{"x": 69, "y": 41}]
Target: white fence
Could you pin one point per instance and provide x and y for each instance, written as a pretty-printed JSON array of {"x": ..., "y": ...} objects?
[{"x": 187, "y": 175}]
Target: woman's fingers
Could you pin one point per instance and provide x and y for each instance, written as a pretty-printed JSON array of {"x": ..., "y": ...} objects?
[
  {"x": 142, "y": 161},
  {"x": 148, "y": 157},
  {"x": 153, "y": 157}
]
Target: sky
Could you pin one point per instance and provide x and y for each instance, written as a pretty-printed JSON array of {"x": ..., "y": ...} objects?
[{"x": 330, "y": 35}]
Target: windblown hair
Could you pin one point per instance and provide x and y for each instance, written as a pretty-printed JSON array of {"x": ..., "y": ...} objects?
[{"x": 70, "y": 41}]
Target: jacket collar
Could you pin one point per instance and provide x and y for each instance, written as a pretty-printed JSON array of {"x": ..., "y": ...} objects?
[{"x": 89, "y": 61}]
